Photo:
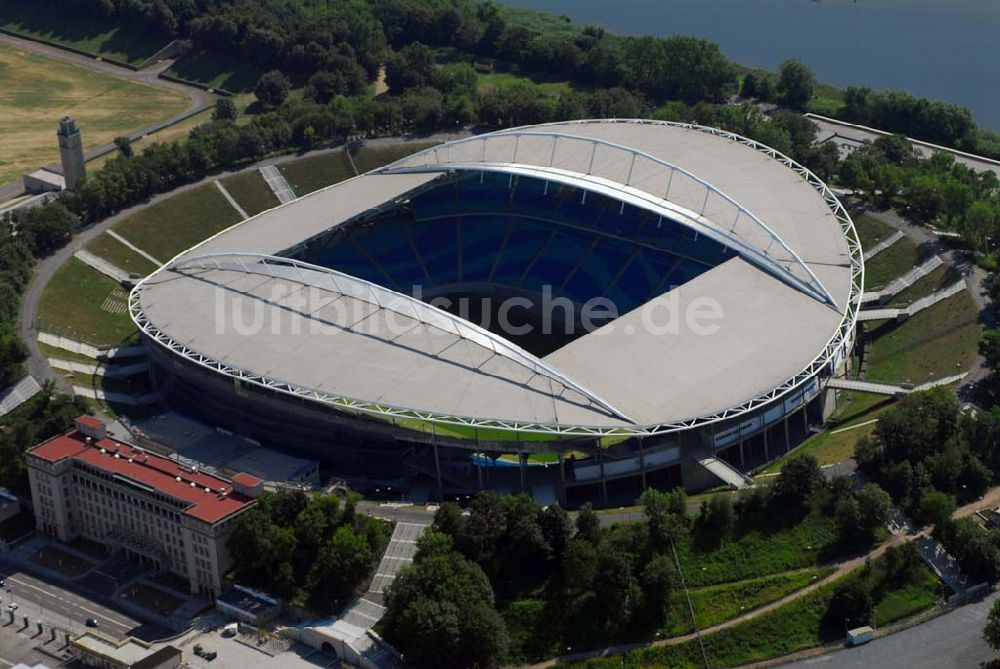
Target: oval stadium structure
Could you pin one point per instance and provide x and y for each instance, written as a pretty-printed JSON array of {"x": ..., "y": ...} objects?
[{"x": 578, "y": 309}]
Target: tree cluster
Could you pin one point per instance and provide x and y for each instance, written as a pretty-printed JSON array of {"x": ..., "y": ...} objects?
[
  {"x": 924, "y": 444},
  {"x": 310, "y": 548}
]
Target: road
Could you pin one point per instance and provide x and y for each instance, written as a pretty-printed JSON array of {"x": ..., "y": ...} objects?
[
  {"x": 200, "y": 100},
  {"x": 57, "y": 605},
  {"x": 951, "y": 640},
  {"x": 828, "y": 126}
]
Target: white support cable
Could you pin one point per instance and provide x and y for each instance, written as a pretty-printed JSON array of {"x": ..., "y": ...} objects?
[{"x": 413, "y": 164}]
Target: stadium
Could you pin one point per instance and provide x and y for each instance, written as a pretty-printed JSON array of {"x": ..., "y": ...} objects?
[{"x": 681, "y": 295}]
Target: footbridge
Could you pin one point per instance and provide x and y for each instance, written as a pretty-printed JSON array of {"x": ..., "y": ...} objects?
[
  {"x": 901, "y": 283},
  {"x": 902, "y": 313},
  {"x": 883, "y": 245},
  {"x": 891, "y": 389},
  {"x": 726, "y": 473}
]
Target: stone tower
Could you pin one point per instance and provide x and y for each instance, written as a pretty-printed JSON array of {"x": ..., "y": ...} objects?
[{"x": 71, "y": 151}]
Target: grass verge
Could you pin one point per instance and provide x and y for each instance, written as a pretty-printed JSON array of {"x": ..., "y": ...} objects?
[
  {"x": 81, "y": 303},
  {"x": 250, "y": 190},
  {"x": 174, "y": 225},
  {"x": 121, "y": 256}
]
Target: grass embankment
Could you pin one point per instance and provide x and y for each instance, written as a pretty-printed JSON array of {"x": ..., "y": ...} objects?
[
  {"x": 895, "y": 261},
  {"x": 176, "y": 224},
  {"x": 871, "y": 231},
  {"x": 939, "y": 341},
  {"x": 81, "y": 303},
  {"x": 800, "y": 624},
  {"x": 119, "y": 255},
  {"x": 769, "y": 546},
  {"x": 38, "y": 91},
  {"x": 718, "y": 603},
  {"x": 250, "y": 190},
  {"x": 314, "y": 172},
  {"x": 90, "y": 33}
]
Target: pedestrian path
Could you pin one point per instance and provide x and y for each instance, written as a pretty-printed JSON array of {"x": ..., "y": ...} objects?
[
  {"x": 89, "y": 350},
  {"x": 883, "y": 245},
  {"x": 889, "y": 388},
  {"x": 901, "y": 283},
  {"x": 889, "y": 313},
  {"x": 109, "y": 371},
  {"x": 276, "y": 182},
  {"x": 135, "y": 248},
  {"x": 18, "y": 394},
  {"x": 231, "y": 199},
  {"x": 101, "y": 265}
]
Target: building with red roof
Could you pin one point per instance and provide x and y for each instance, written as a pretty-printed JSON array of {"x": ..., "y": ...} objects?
[{"x": 156, "y": 510}]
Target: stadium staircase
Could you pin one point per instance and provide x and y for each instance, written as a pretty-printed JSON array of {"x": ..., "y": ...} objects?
[
  {"x": 726, "y": 473},
  {"x": 900, "y": 284},
  {"x": 883, "y": 245},
  {"x": 888, "y": 388},
  {"x": 911, "y": 310}
]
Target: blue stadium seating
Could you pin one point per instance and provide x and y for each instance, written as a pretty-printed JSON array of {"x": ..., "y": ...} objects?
[{"x": 523, "y": 233}]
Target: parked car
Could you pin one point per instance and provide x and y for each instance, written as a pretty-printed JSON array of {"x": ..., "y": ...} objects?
[
  {"x": 12, "y": 606},
  {"x": 92, "y": 622}
]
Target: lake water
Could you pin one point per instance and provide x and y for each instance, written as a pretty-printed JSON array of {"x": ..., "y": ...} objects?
[{"x": 939, "y": 49}]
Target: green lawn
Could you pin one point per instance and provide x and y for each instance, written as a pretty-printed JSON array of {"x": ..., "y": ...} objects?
[
  {"x": 718, "y": 603},
  {"x": 495, "y": 80},
  {"x": 176, "y": 224},
  {"x": 55, "y": 352},
  {"x": 895, "y": 261},
  {"x": 769, "y": 547},
  {"x": 250, "y": 190},
  {"x": 939, "y": 341},
  {"x": 47, "y": 20},
  {"x": 940, "y": 278},
  {"x": 369, "y": 158},
  {"x": 800, "y": 624},
  {"x": 121, "y": 256},
  {"x": 871, "y": 231},
  {"x": 306, "y": 175},
  {"x": 81, "y": 303}
]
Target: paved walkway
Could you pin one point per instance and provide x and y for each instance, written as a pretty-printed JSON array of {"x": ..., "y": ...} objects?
[
  {"x": 200, "y": 100},
  {"x": 278, "y": 185},
  {"x": 101, "y": 265},
  {"x": 135, "y": 248},
  {"x": 231, "y": 199}
]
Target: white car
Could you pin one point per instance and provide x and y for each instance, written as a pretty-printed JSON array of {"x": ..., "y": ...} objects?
[{"x": 12, "y": 606}]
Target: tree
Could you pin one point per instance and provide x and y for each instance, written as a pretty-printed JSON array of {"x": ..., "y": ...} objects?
[
  {"x": 272, "y": 89},
  {"x": 666, "y": 514},
  {"x": 935, "y": 507},
  {"x": 411, "y": 67},
  {"x": 718, "y": 516},
  {"x": 991, "y": 631},
  {"x": 795, "y": 84},
  {"x": 588, "y": 524},
  {"x": 440, "y": 613},
  {"x": 340, "y": 566},
  {"x": 225, "y": 110},
  {"x": 657, "y": 582},
  {"x": 124, "y": 144},
  {"x": 556, "y": 529},
  {"x": 847, "y": 516},
  {"x": 798, "y": 478},
  {"x": 875, "y": 507}
]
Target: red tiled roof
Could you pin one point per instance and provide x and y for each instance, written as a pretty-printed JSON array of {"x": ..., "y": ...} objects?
[
  {"x": 152, "y": 470},
  {"x": 247, "y": 480},
  {"x": 89, "y": 421}
]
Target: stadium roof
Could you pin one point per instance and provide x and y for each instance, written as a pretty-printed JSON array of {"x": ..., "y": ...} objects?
[{"x": 788, "y": 301}]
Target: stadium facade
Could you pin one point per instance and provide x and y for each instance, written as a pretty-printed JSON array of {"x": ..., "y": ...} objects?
[{"x": 313, "y": 327}]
